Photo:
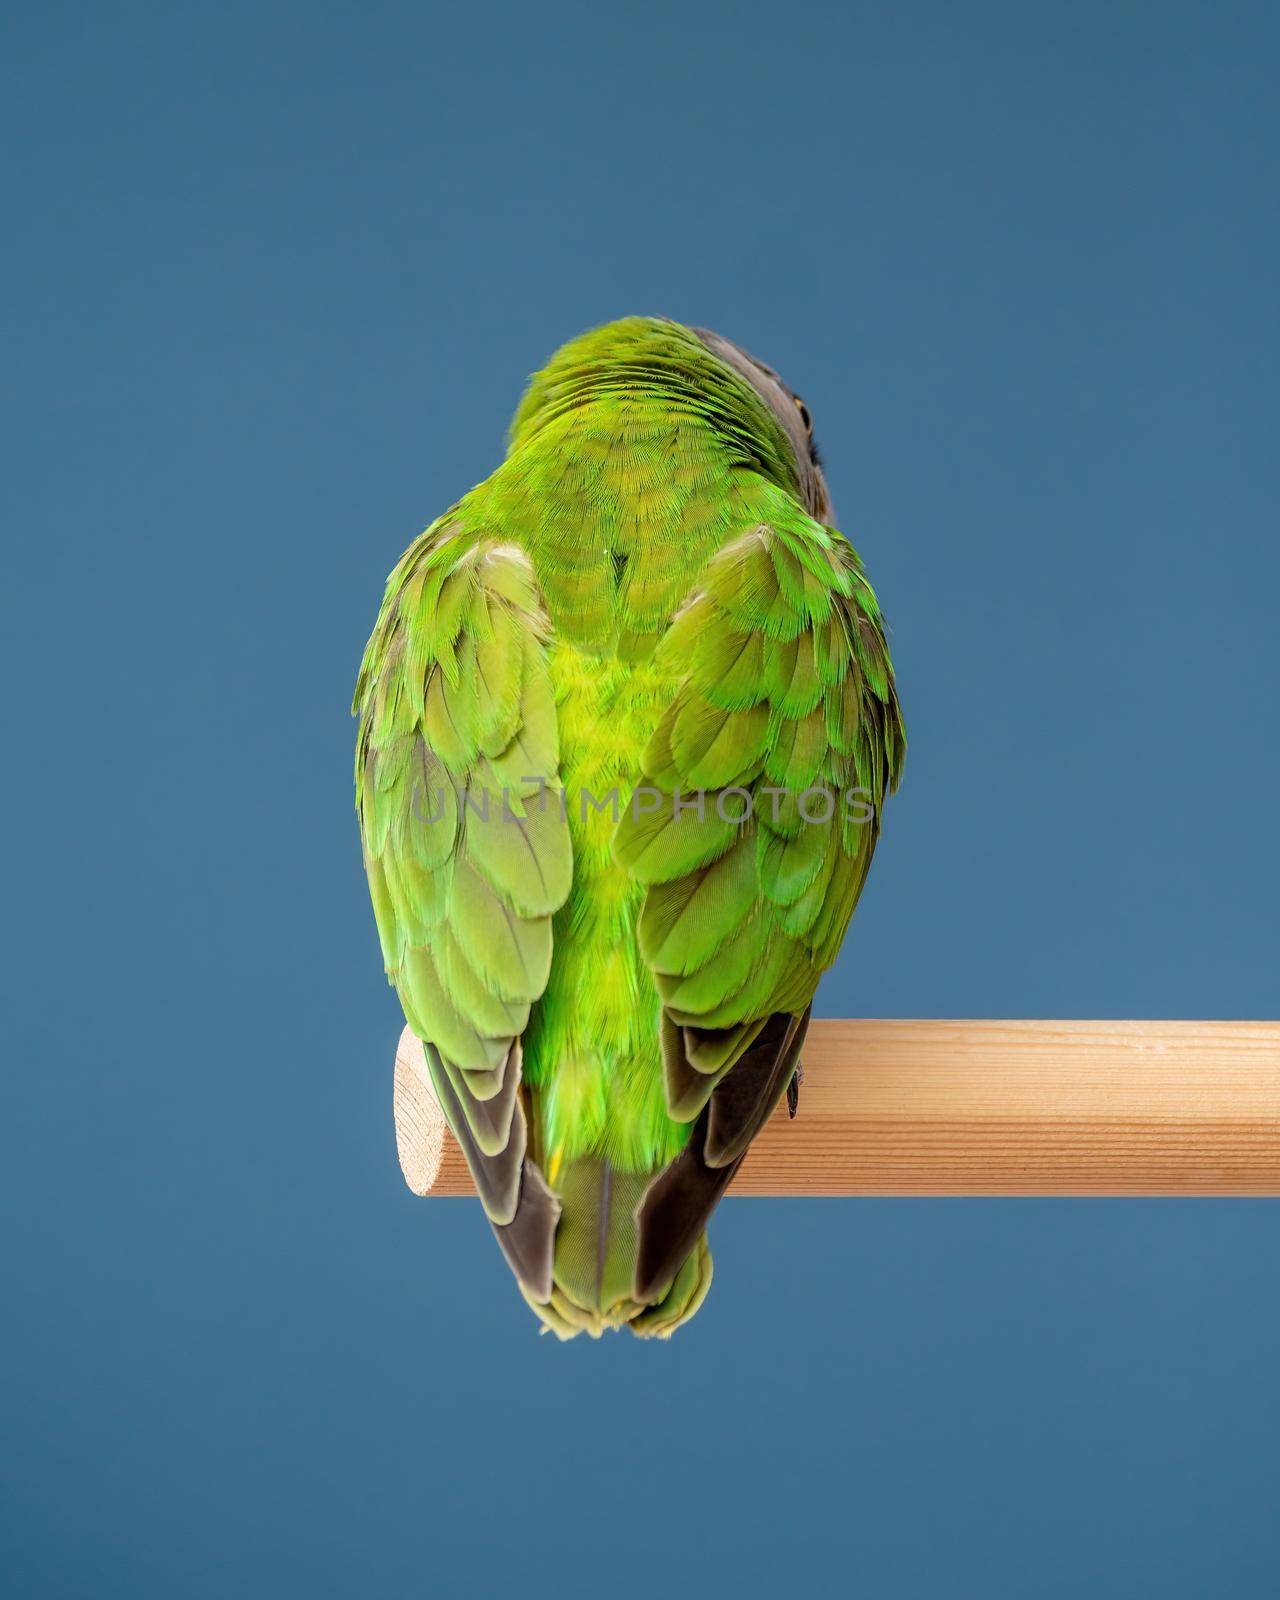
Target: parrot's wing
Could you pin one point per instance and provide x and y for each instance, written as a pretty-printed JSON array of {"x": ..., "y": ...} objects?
[
  {"x": 466, "y": 859},
  {"x": 786, "y": 724}
]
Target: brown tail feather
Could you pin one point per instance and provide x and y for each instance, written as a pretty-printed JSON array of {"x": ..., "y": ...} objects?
[{"x": 682, "y": 1197}]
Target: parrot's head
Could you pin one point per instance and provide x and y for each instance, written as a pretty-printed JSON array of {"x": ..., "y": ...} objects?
[
  {"x": 789, "y": 409},
  {"x": 697, "y": 370}
]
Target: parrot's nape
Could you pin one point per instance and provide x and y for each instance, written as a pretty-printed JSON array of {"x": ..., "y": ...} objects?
[{"x": 627, "y": 725}]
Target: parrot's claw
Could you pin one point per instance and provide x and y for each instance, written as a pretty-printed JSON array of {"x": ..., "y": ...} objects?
[{"x": 793, "y": 1092}]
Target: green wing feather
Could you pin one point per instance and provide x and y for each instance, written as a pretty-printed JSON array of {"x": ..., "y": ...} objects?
[
  {"x": 467, "y": 864},
  {"x": 772, "y": 763}
]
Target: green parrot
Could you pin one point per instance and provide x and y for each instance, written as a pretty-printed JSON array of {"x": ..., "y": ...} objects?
[{"x": 627, "y": 722}]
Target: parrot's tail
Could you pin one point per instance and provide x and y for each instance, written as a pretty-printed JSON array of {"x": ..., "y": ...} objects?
[
  {"x": 601, "y": 1248},
  {"x": 597, "y": 1244}
]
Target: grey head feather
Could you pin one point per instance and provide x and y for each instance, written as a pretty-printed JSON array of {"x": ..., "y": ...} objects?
[{"x": 786, "y": 407}]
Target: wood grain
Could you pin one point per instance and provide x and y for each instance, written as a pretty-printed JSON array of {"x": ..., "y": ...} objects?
[{"x": 982, "y": 1108}]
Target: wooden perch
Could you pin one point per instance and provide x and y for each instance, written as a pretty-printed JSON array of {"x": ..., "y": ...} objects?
[{"x": 981, "y": 1108}]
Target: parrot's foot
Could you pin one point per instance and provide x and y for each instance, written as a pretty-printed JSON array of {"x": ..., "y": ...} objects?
[{"x": 793, "y": 1092}]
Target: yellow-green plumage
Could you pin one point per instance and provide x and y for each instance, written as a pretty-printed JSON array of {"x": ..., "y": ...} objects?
[
  {"x": 582, "y": 675},
  {"x": 592, "y": 1046}
]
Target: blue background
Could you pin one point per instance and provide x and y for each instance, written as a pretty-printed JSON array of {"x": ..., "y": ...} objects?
[{"x": 275, "y": 276}]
